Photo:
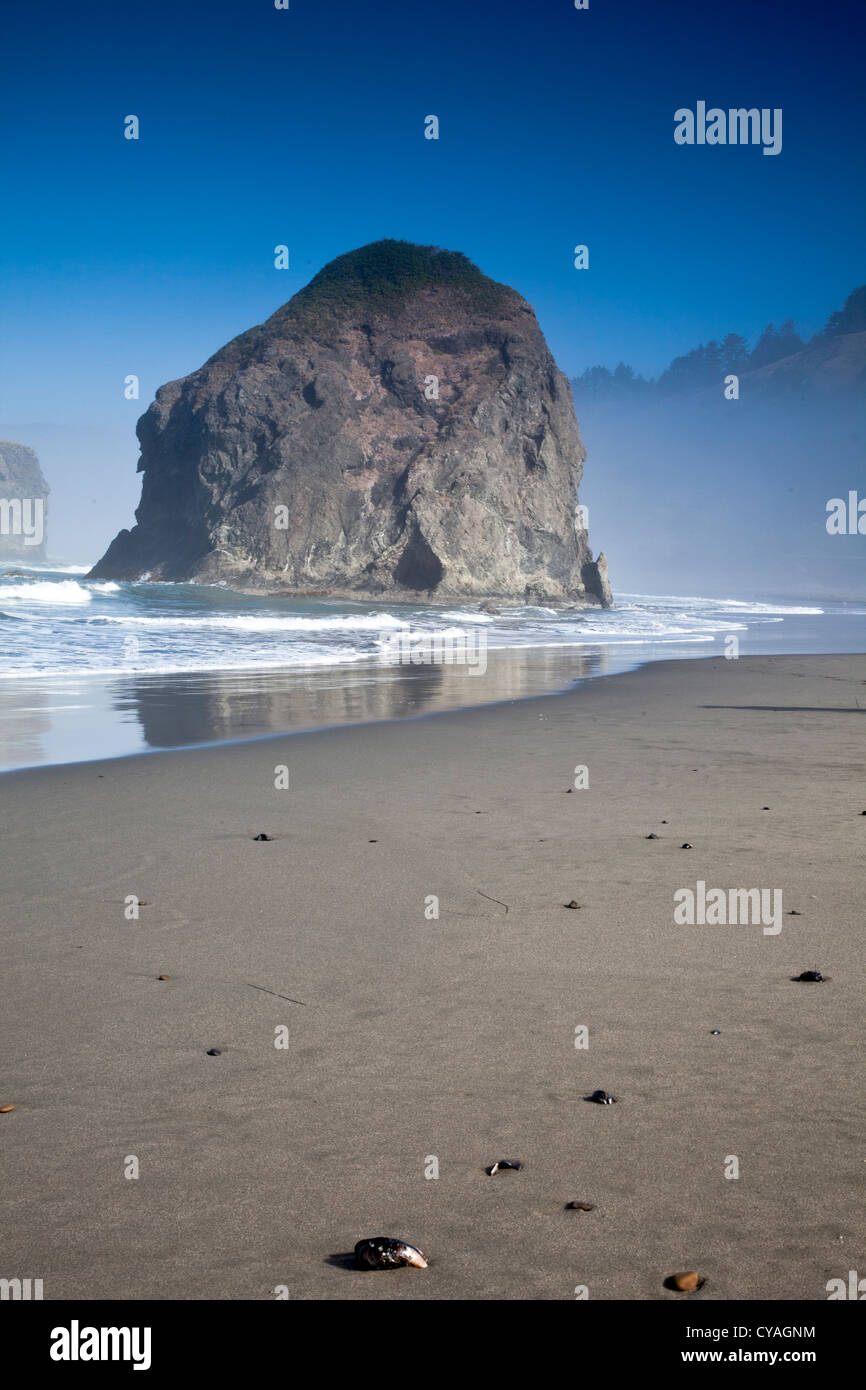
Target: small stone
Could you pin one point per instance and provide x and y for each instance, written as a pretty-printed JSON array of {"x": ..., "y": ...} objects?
[
  {"x": 579, "y": 1206},
  {"x": 716, "y": 1032},
  {"x": 261, "y": 837},
  {"x": 214, "y": 1052},
  {"x": 686, "y": 845},
  {"x": 664, "y": 822},
  {"x": 651, "y": 837},
  {"x": 503, "y": 1163},
  {"x": 811, "y": 977},
  {"x": 163, "y": 977},
  {"x": 686, "y": 1281},
  {"x": 4, "y": 1109},
  {"x": 569, "y": 790},
  {"x": 765, "y": 808},
  {"x": 574, "y": 904},
  {"x": 794, "y": 913},
  {"x": 372, "y": 842}
]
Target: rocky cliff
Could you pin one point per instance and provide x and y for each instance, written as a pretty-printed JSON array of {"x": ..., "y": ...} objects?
[
  {"x": 23, "y": 506},
  {"x": 398, "y": 428}
]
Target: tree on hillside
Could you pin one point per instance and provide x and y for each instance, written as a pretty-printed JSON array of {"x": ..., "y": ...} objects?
[
  {"x": 775, "y": 343},
  {"x": 600, "y": 384},
  {"x": 851, "y": 318},
  {"x": 707, "y": 365},
  {"x": 696, "y": 369},
  {"x": 734, "y": 354}
]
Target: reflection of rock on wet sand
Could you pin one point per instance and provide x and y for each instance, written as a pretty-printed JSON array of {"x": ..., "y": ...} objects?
[
  {"x": 24, "y": 722},
  {"x": 212, "y": 706}
]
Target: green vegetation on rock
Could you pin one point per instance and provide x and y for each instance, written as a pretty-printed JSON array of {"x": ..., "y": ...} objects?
[
  {"x": 387, "y": 271},
  {"x": 376, "y": 279}
]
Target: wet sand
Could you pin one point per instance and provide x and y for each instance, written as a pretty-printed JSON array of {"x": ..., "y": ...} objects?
[{"x": 412, "y": 1038}]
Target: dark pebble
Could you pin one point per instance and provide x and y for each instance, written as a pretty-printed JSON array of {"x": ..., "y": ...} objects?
[
  {"x": 716, "y": 1032},
  {"x": 651, "y": 837},
  {"x": 573, "y": 904},
  {"x": 811, "y": 977},
  {"x": 579, "y": 1206},
  {"x": 261, "y": 837},
  {"x": 686, "y": 845},
  {"x": 214, "y": 1052}
]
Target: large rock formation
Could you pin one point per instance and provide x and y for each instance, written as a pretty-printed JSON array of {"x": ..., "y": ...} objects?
[
  {"x": 23, "y": 506},
  {"x": 399, "y": 428}
]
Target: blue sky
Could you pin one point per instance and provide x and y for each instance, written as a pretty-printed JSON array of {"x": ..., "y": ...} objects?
[{"x": 305, "y": 127}]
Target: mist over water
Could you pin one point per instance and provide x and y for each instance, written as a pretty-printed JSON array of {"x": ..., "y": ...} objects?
[{"x": 699, "y": 494}]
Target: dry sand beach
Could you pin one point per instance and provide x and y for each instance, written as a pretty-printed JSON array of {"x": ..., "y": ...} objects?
[{"x": 411, "y": 1038}]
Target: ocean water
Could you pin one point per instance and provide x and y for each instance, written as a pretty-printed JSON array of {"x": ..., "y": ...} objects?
[{"x": 93, "y": 669}]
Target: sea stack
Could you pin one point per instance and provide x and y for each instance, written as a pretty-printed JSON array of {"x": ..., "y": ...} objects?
[
  {"x": 399, "y": 429},
  {"x": 23, "y": 504}
]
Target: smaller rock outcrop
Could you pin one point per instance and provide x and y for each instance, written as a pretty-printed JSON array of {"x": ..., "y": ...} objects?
[{"x": 23, "y": 503}]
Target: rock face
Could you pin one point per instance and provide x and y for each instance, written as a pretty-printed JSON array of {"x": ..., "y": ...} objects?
[
  {"x": 398, "y": 429},
  {"x": 23, "y": 506}
]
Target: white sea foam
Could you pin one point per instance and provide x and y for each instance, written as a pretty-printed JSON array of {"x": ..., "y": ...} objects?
[
  {"x": 756, "y": 607},
  {"x": 67, "y": 627},
  {"x": 252, "y": 623},
  {"x": 60, "y": 591},
  {"x": 45, "y": 569},
  {"x": 196, "y": 665}
]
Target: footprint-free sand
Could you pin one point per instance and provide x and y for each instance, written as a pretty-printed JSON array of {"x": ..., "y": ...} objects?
[{"x": 421, "y": 1044}]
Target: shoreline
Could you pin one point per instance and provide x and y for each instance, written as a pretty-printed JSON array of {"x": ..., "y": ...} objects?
[
  {"x": 277, "y": 701},
  {"x": 412, "y": 1037},
  {"x": 519, "y": 673}
]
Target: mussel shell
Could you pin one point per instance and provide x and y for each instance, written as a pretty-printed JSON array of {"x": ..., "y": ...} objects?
[
  {"x": 503, "y": 1163},
  {"x": 384, "y": 1252},
  {"x": 602, "y": 1098}
]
